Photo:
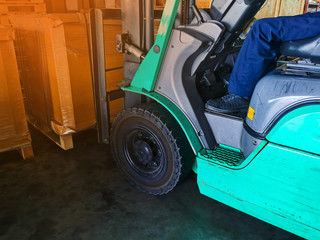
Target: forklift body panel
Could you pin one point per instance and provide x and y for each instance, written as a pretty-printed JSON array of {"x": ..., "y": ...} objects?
[
  {"x": 280, "y": 186},
  {"x": 266, "y": 165}
]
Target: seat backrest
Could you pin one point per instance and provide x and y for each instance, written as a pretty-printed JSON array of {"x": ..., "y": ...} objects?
[
  {"x": 205, "y": 15},
  {"x": 219, "y": 8},
  {"x": 235, "y": 15},
  {"x": 305, "y": 48}
]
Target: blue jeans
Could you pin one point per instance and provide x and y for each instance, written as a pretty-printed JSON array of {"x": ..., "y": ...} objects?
[{"x": 261, "y": 48}]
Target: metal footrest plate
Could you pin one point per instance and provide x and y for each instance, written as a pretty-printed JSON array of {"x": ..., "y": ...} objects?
[{"x": 225, "y": 156}]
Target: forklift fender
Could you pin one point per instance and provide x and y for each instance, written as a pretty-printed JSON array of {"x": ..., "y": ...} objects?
[
  {"x": 278, "y": 93},
  {"x": 183, "y": 121},
  {"x": 299, "y": 129}
]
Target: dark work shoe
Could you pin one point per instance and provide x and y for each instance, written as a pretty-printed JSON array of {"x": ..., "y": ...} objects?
[{"x": 229, "y": 104}]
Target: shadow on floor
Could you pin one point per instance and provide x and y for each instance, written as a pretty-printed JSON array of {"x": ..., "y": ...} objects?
[{"x": 80, "y": 194}]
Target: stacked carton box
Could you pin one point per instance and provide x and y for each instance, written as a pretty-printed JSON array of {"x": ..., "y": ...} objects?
[
  {"x": 22, "y": 6},
  {"x": 106, "y": 3},
  {"x": 53, "y": 55},
  {"x": 54, "y": 62},
  {"x": 159, "y": 3},
  {"x": 64, "y": 6},
  {"x": 272, "y": 8},
  {"x": 14, "y": 133},
  {"x": 203, "y": 3},
  {"x": 200, "y": 3}
]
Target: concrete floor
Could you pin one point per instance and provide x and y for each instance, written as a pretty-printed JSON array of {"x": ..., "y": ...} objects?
[{"x": 80, "y": 194}]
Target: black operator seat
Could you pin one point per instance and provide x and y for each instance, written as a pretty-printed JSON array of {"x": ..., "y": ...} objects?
[
  {"x": 235, "y": 15},
  {"x": 306, "y": 48}
]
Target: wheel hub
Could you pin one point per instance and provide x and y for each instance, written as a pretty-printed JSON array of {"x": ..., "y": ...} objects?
[{"x": 143, "y": 151}]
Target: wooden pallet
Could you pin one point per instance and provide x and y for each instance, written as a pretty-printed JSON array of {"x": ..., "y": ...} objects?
[
  {"x": 65, "y": 141},
  {"x": 26, "y": 152},
  {"x": 22, "y": 8},
  {"x": 22, "y": 144}
]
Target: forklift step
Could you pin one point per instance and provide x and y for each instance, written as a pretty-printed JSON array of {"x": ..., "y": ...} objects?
[{"x": 224, "y": 155}]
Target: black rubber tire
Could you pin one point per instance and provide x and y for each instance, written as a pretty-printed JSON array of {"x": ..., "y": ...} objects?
[{"x": 154, "y": 166}]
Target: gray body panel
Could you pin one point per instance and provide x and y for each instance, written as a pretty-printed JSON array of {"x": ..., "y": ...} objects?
[
  {"x": 276, "y": 94},
  {"x": 248, "y": 143},
  {"x": 188, "y": 47},
  {"x": 227, "y": 130}
]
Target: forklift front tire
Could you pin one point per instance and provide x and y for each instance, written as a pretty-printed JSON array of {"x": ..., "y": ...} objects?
[{"x": 147, "y": 151}]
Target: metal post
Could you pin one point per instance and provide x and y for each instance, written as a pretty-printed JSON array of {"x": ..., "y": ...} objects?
[
  {"x": 149, "y": 16},
  {"x": 99, "y": 75}
]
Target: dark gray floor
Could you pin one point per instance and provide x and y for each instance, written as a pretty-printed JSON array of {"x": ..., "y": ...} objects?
[{"x": 80, "y": 194}]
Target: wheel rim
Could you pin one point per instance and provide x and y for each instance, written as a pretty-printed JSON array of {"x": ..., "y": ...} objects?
[{"x": 145, "y": 153}]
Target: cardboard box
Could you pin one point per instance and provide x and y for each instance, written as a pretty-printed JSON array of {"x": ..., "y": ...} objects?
[
  {"x": 269, "y": 9},
  {"x": 13, "y": 7},
  {"x": 64, "y": 6},
  {"x": 106, "y": 3},
  {"x": 156, "y": 24},
  {"x": 30, "y": 53},
  {"x": 55, "y": 69},
  {"x": 275, "y": 8},
  {"x": 290, "y": 8},
  {"x": 14, "y": 131},
  {"x": 4, "y": 20},
  {"x": 66, "y": 53},
  {"x": 203, "y": 4},
  {"x": 159, "y": 3},
  {"x": 21, "y": 1}
]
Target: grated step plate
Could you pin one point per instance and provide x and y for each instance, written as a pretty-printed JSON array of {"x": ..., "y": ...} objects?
[{"x": 225, "y": 155}]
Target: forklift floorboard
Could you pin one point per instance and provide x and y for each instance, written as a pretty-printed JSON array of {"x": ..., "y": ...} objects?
[{"x": 80, "y": 194}]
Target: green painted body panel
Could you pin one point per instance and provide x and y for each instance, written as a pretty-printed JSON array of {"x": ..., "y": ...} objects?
[
  {"x": 177, "y": 114},
  {"x": 279, "y": 185},
  {"x": 299, "y": 129},
  {"x": 148, "y": 72}
]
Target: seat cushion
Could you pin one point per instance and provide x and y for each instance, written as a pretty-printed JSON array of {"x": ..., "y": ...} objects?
[{"x": 305, "y": 48}]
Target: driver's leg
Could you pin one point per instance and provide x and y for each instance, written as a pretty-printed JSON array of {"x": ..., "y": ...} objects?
[{"x": 258, "y": 56}]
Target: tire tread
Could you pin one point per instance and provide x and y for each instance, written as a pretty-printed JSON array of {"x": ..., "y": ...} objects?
[{"x": 173, "y": 132}]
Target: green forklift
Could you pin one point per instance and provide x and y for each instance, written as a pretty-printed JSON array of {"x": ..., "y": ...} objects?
[{"x": 266, "y": 164}]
